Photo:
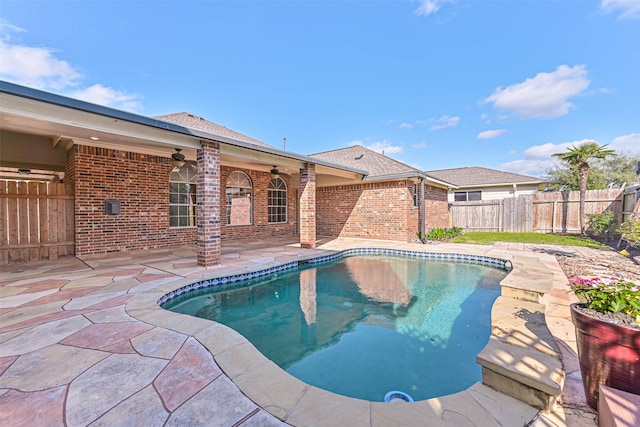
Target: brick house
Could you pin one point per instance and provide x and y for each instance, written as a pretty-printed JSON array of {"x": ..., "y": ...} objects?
[
  {"x": 385, "y": 204},
  {"x": 138, "y": 182}
]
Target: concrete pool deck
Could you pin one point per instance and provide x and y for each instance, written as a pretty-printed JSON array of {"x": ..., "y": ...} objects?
[{"x": 83, "y": 342}]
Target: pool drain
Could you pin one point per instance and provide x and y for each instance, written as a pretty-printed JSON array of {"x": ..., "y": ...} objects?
[{"x": 397, "y": 395}]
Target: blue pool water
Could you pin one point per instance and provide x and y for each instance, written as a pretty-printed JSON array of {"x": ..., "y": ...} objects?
[{"x": 365, "y": 325}]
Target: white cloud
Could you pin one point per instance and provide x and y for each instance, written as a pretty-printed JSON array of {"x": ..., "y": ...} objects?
[
  {"x": 538, "y": 159},
  {"x": 379, "y": 147},
  {"x": 385, "y": 147},
  {"x": 525, "y": 167},
  {"x": 607, "y": 90},
  {"x": 488, "y": 134},
  {"x": 427, "y": 7},
  {"x": 444, "y": 122},
  {"x": 40, "y": 68},
  {"x": 7, "y": 28},
  {"x": 36, "y": 67},
  {"x": 543, "y": 96},
  {"x": 626, "y": 143},
  {"x": 545, "y": 151},
  {"x": 99, "y": 94},
  {"x": 626, "y": 9},
  {"x": 406, "y": 125}
]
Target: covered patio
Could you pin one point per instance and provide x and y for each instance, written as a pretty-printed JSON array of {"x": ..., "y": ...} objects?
[{"x": 81, "y": 343}]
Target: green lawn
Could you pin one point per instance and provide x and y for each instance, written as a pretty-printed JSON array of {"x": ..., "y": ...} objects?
[{"x": 488, "y": 238}]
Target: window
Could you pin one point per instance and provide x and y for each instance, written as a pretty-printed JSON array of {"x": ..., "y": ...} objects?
[
  {"x": 467, "y": 196},
  {"x": 239, "y": 193},
  {"x": 277, "y": 201},
  {"x": 182, "y": 196},
  {"x": 416, "y": 199}
]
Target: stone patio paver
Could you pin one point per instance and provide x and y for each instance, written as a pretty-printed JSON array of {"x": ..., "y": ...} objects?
[
  {"x": 26, "y": 317},
  {"x": 108, "y": 383},
  {"x": 100, "y": 336},
  {"x": 189, "y": 371},
  {"x": 50, "y": 367},
  {"x": 40, "y": 408},
  {"x": 159, "y": 342},
  {"x": 43, "y": 336},
  {"x": 92, "y": 300},
  {"x": 89, "y": 281},
  {"x": 218, "y": 404},
  {"x": 142, "y": 409},
  {"x": 23, "y": 298},
  {"x": 109, "y": 315}
]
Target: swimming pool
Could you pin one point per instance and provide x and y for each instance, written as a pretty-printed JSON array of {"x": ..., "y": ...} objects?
[{"x": 365, "y": 325}]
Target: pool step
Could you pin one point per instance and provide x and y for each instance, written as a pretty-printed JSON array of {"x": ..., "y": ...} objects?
[
  {"x": 522, "y": 358},
  {"x": 529, "y": 280}
]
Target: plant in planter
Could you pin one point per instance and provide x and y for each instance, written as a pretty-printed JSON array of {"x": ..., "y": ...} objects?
[{"x": 607, "y": 325}]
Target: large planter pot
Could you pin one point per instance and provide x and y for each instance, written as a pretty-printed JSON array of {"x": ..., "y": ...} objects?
[{"x": 609, "y": 354}]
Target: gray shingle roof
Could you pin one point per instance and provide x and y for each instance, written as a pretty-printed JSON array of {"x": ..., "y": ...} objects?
[
  {"x": 476, "y": 176},
  {"x": 196, "y": 122},
  {"x": 360, "y": 157}
]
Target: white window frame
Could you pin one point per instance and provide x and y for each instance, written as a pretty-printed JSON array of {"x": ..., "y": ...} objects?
[
  {"x": 240, "y": 181},
  {"x": 277, "y": 201},
  {"x": 182, "y": 196}
]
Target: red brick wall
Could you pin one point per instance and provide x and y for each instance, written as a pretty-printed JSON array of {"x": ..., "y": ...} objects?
[
  {"x": 381, "y": 210},
  {"x": 260, "y": 227},
  {"x": 436, "y": 208},
  {"x": 141, "y": 183}
]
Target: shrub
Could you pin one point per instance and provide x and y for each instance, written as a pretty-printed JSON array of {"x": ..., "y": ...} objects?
[
  {"x": 443, "y": 233},
  {"x": 600, "y": 224},
  {"x": 630, "y": 230}
]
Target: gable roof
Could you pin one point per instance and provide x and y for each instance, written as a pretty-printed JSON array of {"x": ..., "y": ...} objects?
[
  {"x": 476, "y": 176},
  {"x": 378, "y": 165},
  {"x": 196, "y": 122}
]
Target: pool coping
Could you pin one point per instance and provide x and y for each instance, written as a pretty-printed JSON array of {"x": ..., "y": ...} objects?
[{"x": 297, "y": 403}]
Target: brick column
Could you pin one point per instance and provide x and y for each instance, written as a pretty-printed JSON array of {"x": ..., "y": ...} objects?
[
  {"x": 208, "y": 204},
  {"x": 308, "y": 206}
]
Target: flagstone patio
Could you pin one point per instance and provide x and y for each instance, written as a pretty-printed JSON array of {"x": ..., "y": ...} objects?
[{"x": 78, "y": 347}]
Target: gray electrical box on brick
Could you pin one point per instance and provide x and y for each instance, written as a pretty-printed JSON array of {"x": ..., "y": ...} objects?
[{"x": 112, "y": 207}]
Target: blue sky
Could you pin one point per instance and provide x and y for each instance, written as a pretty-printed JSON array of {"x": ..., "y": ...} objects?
[{"x": 434, "y": 83}]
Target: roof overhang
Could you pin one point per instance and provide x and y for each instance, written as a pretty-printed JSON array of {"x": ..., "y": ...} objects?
[
  {"x": 414, "y": 176},
  {"x": 502, "y": 184},
  {"x": 65, "y": 121}
]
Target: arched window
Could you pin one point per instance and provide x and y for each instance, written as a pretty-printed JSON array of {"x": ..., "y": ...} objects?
[
  {"x": 277, "y": 201},
  {"x": 239, "y": 194},
  {"x": 182, "y": 196}
]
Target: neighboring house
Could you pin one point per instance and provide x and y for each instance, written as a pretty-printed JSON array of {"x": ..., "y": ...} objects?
[
  {"x": 137, "y": 182},
  {"x": 477, "y": 183}
]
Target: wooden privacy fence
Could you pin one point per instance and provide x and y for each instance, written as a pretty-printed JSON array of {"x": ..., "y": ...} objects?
[
  {"x": 545, "y": 212},
  {"x": 36, "y": 221}
]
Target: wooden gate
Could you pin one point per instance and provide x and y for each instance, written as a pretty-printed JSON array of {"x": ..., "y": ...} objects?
[
  {"x": 36, "y": 221},
  {"x": 512, "y": 214},
  {"x": 483, "y": 215},
  {"x": 518, "y": 214}
]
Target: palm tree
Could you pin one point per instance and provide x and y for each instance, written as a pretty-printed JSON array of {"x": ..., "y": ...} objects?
[{"x": 578, "y": 157}]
